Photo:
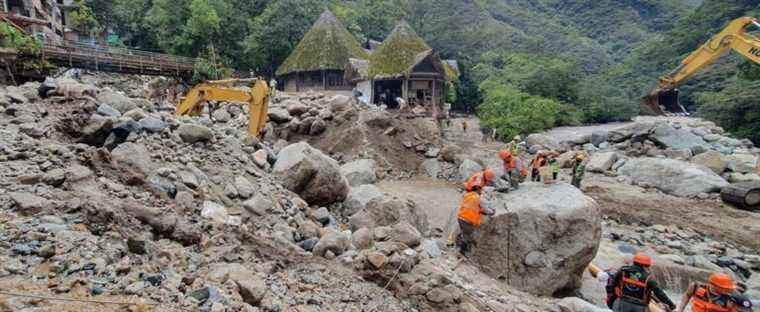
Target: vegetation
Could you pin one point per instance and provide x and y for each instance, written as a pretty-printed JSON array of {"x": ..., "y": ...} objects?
[
  {"x": 15, "y": 39},
  {"x": 595, "y": 58},
  {"x": 327, "y": 45},
  {"x": 397, "y": 53}
]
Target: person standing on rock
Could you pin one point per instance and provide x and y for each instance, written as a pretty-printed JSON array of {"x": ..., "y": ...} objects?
[
  {"x": 511, "y": 168},
  {"x": 579, "y": 169},
  {"x": 554, "y": 166},
  {"x": 470, "y": 217},
  {"x": 632, "y": 287},
  {"x": 535, "y": 166},
  {"x": 514, "y": 146},
  {"x": 718, "y": 295}
]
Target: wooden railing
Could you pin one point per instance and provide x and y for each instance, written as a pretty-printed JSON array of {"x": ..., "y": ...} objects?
[{"x": 114, "y": 59}]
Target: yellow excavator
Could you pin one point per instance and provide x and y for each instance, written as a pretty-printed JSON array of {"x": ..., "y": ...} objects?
[
  {"x": 222, "y": 90},
  {"x": 664, "y": 99}
]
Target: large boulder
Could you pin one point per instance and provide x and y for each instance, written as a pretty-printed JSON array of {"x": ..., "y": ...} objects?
[
  {"x": 386, "y": 211},
  {"x": 133, "y": 160},
  {"x": 118, "y": 101},
  {"x": 359, "y": 197},
  {"x": 635, "y": 131},
  {"x": 601, "y": 162},
  {"x": 542, "y": 141},
  {"x": 191, "y": 133},
  {"x": 711, "y": 159},
  {"x": 742, "y": 163},
  {"x": 360, "y": 172},
  {"x": 599, "y": 136},
  {"x": 311, "y": 174},
  {"x": 468, "y": 168},
  {"x": 673, "y": 176},
  {"x": 279, "y": 115},
  {"x": 669, "y": 137},
  {"x": 544, "y": 242}
]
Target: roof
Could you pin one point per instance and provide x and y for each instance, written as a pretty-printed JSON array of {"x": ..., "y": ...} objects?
[
  {"x": 327, "y": 45},
  {"x": 398, "y": 54},
  {"x": 452, "y": 69},
  {"x": 357, "y": 69}
]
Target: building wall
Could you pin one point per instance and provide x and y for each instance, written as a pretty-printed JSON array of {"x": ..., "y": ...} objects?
[{"x": 316, "y": 81}]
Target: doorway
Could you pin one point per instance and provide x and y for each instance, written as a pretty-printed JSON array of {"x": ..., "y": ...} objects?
[{"x": 386, "y": 92}]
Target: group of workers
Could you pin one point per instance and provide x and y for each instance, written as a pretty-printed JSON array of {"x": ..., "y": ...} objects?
[
  {"x": 543, "y": 166},
  {"x": 632, "y": 287}
]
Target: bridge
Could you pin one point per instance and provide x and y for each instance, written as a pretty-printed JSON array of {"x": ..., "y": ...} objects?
[{"x": 114, "y": 59}]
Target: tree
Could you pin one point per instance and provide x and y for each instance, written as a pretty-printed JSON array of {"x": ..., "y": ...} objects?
[
  {"x": 511, "y": 111},
  {"x": 83, "y": 18},
  {"x": 276, "y": 32}
]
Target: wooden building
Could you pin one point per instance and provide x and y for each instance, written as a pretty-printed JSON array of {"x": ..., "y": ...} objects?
[
  {"x": 404, "y": 67},
  {"x": 319, "y": 60}
]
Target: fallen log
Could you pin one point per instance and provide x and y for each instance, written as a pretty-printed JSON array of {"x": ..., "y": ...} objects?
[{"x": 743, "y": 195}]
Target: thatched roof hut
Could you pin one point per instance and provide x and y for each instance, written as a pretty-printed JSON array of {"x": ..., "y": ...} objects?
[
  {"x": 400, "y": 51},
  {"x": 319, "y": 60}
]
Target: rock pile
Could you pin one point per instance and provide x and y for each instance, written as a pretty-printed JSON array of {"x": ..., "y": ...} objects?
[{"x": 668, "y": 155}]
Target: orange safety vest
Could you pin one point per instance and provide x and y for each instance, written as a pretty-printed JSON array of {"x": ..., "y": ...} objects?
[
  {"x": 537, "y": 162},
  {"x": 629, "y": 284},
  {"x": 469, "y": 210},
  {"x": 701, "y": 302},
  {"x": 510, "y": 164},
  {"x": 478, "y": 179}
]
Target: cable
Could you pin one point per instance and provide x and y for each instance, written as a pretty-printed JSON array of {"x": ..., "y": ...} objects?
[{"x": 72, "y": 300}]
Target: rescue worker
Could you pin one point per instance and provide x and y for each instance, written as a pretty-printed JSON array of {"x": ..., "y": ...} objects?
[
  {"x": 632, "y": 287},
  {"x": 579, "y": 169},
  {"x": 480, "y": 179},
  {"x": 535, "y": 167},
  {"x": 554, "y": 165},
  {"x": 718, "y": 295},
  {"x": 511, "y": 168},
  {"x": 514, "y": 146},
  {"x": 470, "y": 217}
]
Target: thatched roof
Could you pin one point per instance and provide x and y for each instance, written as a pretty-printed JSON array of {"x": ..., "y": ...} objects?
[
  {"x": 357, "y": 69},
  {"x": 327, "y": 45},
  {"x": 452, "y": 69},
  {"x": 398, "y": 54}
]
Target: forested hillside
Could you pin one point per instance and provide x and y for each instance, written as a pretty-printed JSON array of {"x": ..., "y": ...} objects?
[{"x": 590, "y": 60}]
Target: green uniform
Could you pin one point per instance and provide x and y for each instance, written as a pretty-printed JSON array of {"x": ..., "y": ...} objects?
[{"x": 579, "y": 169}]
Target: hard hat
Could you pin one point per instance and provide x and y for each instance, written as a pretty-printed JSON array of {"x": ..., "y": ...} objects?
[
  {"x": 580, "y": 156},
  {"x": 722, "y": 281},
  {"x": 642, "y": 259},
  {"x": 489, "y": 174},
  {"x": 505, "y": 154},
  {"x": 517, "y": 138}
]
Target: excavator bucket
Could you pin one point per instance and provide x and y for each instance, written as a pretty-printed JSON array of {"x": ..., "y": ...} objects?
[{"x": 663, "y": 102}]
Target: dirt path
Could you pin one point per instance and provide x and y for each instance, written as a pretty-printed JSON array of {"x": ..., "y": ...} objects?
[{"x": 632, "y": 204}]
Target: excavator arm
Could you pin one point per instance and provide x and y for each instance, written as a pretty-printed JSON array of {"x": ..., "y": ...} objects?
[
  {"x": 257, "y": 100},
  {"x": 733, "y": 37}
]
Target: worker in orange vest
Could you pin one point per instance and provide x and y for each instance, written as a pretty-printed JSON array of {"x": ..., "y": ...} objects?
[
  {"x": 470, "y": 217},
  {"x": 718, "y": 295},
  {"x": 632, "y": 287},
  {"x": 535, "y": 166},
  {"x": 480, "y": 179},
  {"x": 511, "y": 168}
]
